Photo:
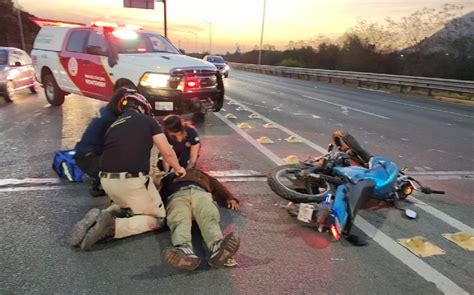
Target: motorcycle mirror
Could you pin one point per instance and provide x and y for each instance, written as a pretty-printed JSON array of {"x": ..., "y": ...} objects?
[
  {"x": 330, "y": 147},
  {"x": 410, "y": 213}
]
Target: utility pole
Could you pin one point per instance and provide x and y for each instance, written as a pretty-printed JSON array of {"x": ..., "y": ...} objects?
[
  {"x": 195, "y": 40},
  {"x": 261, "y": 35},
  {"x": 210, "y": 35},
  {"x": 165, "y": 19},
  {"x": 20, "y": 24}
]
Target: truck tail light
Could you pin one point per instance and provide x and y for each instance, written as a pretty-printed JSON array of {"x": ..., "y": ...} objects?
[{"x": 191, "y": 83}]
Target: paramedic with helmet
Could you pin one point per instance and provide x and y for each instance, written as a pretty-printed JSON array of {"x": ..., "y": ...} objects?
[{"x": 125, "y": 167}]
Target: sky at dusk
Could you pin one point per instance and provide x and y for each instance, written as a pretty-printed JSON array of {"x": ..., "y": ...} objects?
[{"x": 236, "y": 21}]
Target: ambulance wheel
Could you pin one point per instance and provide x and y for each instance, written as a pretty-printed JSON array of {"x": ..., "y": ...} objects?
[
  {"x": 54, "y": 95},
  {"x": 198, "y": 118}
]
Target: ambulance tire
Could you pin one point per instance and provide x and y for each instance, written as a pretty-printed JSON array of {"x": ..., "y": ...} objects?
[{"x": 54, "y": 95}]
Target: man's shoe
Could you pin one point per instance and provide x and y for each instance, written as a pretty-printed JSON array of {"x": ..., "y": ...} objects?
[
  {"x": 103, "y": 228},
  {"x": 181, "y": 257},
  {"x": 224, "y": 249},
  {"x": 80, "y": 229}
]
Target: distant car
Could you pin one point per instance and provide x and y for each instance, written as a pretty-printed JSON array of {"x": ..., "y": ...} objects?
[
  {"x": 220, "y": 64},
  {"x": 16, "y": 72}
]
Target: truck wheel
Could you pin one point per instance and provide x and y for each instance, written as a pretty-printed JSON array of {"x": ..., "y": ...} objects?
[
  {"x": 198, "y": 118},
  {"x": 9, "y": 91},
  {"x": 54, "y": 95}
]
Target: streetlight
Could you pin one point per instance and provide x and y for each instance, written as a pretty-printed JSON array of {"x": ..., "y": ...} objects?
[
  {"x": 210, "y": 34},
  {"x": 261, "y": 35},
  {"x": 195, "y": 40}
]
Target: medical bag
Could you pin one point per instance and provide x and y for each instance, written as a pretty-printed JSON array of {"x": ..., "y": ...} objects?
[{"x": 65, "y": 165}]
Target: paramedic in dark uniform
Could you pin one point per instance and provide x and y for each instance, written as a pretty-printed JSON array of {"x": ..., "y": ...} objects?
[
  {"x": 124, "y": 176},
  {"x": 184, "y": 139},
  {"x": 89, "y": 148}
]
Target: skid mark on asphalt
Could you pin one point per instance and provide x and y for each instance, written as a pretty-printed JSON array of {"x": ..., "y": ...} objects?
[{"x": 443, "y": 283}]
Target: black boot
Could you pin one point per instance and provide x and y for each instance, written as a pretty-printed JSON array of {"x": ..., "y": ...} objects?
[{"x": 96, "y": 189}]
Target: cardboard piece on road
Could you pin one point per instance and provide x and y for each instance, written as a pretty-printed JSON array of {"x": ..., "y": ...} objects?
[
  {"x": 269, "y": 126},
  {"x": 244, "y": 126},
  {"x": 292, "y": 159},
  {"x": 420, "y": 247},
  {"x": 462, "y": 239},
  {"x": 230, "y": 116},
  {"x": 254, "y": 116},
  {"x": 293, "y": 139},
  {"x": 264, "y": 140}
]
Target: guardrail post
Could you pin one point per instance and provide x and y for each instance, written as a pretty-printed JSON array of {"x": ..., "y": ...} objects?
[
  {"x": 378, "y": 85},
  {"x": 401, "y": 88},
  {"x": 429, "y": 91},
  {"x": 330, "y": 79},
  {"x": 359, "y": 83},
  {"x": 343, "y": 81}
]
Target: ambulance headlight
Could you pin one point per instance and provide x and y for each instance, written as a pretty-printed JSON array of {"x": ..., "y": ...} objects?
[{"x": 151, "y": 80}]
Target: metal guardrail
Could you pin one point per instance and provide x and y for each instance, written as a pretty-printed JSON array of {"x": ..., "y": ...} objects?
[{"x": 460, "y": 86}]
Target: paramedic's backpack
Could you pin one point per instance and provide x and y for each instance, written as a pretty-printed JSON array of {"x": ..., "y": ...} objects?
[{"x": 65, "y": 166}]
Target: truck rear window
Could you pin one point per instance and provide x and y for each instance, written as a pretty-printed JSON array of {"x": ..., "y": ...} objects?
[{"x": 3, "y": 57}]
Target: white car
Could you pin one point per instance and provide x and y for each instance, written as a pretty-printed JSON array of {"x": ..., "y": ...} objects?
[{"x": 94, "y": 61}]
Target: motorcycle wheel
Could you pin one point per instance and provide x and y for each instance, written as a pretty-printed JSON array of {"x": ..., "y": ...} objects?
[
  {"x": 343, "y": 140},
  {"x": 284, "y": 182}
]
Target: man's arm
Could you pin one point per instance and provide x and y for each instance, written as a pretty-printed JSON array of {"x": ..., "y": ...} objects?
[
  {"x": 193, "y": 155},
  {"x": 222, "y": 195},
  {"x": 168, "y": 153}
]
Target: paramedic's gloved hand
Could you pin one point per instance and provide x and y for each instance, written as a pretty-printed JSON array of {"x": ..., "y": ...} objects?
[{"x": 180, "y": 172}]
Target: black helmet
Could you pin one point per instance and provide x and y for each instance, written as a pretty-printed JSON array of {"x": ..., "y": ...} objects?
[{"x": 132, "y": 98}]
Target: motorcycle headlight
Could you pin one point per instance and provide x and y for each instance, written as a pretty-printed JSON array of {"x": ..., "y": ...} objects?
[{"x": 152, "y": 80}]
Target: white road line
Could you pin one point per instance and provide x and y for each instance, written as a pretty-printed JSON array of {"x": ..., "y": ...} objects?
[
  {"x": 423, "y": 269},
  {"x": 14, "y": 181},
  {"x": 441, "y": 173},
  {"x": 443, "y": 216},
  {"x": 252, "y": 141},
  {"x": 430, "y": 274},
  {"x": 343, "y": 106},
  {"x": 426, "y": 108},
  {"x": 37, "y": 188},
  {"x": 235, "y": 173},
  {"x": 284, "y": 129}
]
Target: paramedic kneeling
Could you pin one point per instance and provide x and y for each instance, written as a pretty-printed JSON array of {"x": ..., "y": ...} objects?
[{"x": 124, "y": 176}]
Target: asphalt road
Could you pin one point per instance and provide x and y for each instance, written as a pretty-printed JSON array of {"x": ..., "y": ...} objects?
[{"x": 278, "y": 255}]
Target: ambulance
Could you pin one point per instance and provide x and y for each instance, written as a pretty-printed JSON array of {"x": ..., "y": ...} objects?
[{"x": 95, "y": 60}]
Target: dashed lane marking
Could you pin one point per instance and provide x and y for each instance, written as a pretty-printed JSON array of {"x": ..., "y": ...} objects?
[
  {"x": 430, "y": 274},
  {"x": 345, "y": 107},
  {"x": 426, "y": 108}
]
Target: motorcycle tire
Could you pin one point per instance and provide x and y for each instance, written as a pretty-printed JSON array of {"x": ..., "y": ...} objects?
[
  {"x": 291, "y": 194},
  {"x": 358, "y": 153}
]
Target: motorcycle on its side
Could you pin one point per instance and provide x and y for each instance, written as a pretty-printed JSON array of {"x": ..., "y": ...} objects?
[{"x": 329, "y": 190}]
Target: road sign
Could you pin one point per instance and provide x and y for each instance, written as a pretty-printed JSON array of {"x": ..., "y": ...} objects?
[{"x": 143, "y": 4}]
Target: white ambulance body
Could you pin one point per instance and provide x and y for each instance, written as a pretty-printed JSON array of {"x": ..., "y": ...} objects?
[{"x": 94, "y": 61}]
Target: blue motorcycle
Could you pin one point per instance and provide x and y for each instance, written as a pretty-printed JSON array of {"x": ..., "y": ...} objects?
[{"x": 329, "y": 190}]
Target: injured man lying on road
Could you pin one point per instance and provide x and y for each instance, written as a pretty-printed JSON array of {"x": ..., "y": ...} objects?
[{"x": 192, "y": 197}]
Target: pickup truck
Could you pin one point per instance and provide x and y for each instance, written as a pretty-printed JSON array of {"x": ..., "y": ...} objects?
[{"x": 93, "y": 61}]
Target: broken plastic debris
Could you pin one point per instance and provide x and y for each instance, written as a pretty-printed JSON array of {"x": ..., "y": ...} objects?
[
  {"x": 244, "y": 126},
  {"x": 231, "y": 262},
  {"x": 293, "y": 139},
  {"x": 269, "y": 126},
  {"x": 292, "y": 159},
  {"x": 240, "y": 109},
  {"x": 231, "y": 102},
  {"x": 264, "y": 140},
  {"x": 230, "y": 116},
  {"x": 420, "y": 247},
  {"x": 254, "y": 116},
  {"x": 462, "y": 239}
]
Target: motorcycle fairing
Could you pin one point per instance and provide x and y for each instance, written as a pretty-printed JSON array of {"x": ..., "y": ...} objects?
[{"x": 381, "y": 170}]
